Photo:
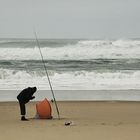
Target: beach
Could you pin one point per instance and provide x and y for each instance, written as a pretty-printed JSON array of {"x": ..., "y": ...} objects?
[{"x": 106, "y": 120}]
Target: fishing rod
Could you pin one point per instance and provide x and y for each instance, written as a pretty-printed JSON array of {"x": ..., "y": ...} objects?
[{"x": 38, "y": 44}]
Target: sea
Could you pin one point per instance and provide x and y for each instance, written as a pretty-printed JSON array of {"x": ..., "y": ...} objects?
[{"x": 72, "y": 64}]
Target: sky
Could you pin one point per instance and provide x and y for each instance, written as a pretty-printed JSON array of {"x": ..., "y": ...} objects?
[{"x": 70, "y": 18}]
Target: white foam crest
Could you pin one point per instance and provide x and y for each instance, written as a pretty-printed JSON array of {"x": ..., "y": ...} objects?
[
  {"x": 83, "y": 80},
  {"x": 92, "y": 49},
  {"x": 19, "y": 53},
  {"x": 126, "y": 43},
  {"x": 95, "y": 43}
]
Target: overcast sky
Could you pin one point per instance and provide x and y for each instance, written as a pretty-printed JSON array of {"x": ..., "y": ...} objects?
[{"x": 70, "y": 18}]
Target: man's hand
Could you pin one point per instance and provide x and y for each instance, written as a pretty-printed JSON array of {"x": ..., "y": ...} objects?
[{"x": 32, "y": 97}]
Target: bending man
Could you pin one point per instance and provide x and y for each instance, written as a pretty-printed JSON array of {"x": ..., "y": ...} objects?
[{"x": 24, "y": 97}]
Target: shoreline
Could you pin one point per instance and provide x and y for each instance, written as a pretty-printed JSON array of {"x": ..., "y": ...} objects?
[{"x": 77, "y": 95}]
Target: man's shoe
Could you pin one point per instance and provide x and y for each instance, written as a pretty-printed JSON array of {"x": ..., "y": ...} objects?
[{"x": 24, "y": 119}]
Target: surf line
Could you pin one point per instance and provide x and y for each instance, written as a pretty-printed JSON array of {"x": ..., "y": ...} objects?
[{"x": 38, "y": 44}]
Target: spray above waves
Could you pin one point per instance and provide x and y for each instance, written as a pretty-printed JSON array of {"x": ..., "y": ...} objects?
[{"x": 80, "y": 50}]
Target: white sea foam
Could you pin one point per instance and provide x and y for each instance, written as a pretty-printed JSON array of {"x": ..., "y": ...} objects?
[
  {"x": 11, "y": 79},
  {"x": 94, "y": 49}
]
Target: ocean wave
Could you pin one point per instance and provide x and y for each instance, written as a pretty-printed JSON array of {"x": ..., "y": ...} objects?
[
  {"x": 92, "y": 80},
  {"x": 90, "y": 49}
]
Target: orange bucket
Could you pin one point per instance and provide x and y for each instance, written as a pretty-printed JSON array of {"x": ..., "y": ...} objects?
[{"x": 44, "y": 109}]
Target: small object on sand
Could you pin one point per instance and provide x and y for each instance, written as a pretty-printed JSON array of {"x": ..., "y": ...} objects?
[{"x": 68, "y": 123}]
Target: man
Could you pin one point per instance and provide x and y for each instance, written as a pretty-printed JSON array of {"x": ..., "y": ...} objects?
[{"x": 24, "y": 97}]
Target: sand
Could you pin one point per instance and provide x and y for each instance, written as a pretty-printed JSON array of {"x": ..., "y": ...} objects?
[{"x": 91, "y": 120}]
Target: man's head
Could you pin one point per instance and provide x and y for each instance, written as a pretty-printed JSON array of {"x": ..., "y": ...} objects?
[{"x": 34, "y": 89}]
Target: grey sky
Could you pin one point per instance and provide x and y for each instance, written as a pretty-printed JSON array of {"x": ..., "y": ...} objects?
[{"x": 70, "y": 18}]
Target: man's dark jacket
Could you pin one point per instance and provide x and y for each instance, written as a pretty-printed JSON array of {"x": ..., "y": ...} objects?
[{"x": 26, "y": 95}]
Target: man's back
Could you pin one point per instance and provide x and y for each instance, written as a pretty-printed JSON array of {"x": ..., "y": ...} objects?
[{"x": 26, "y": 94}]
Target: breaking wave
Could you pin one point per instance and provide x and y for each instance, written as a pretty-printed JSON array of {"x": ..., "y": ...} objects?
[
  {"x": 90, "y": 49},
  {"x": 11, "y": 79},
  {"x": 72, "y": 64}
]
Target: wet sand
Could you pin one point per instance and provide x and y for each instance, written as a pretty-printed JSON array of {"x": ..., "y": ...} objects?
[{"x": 90, "y": 120}]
